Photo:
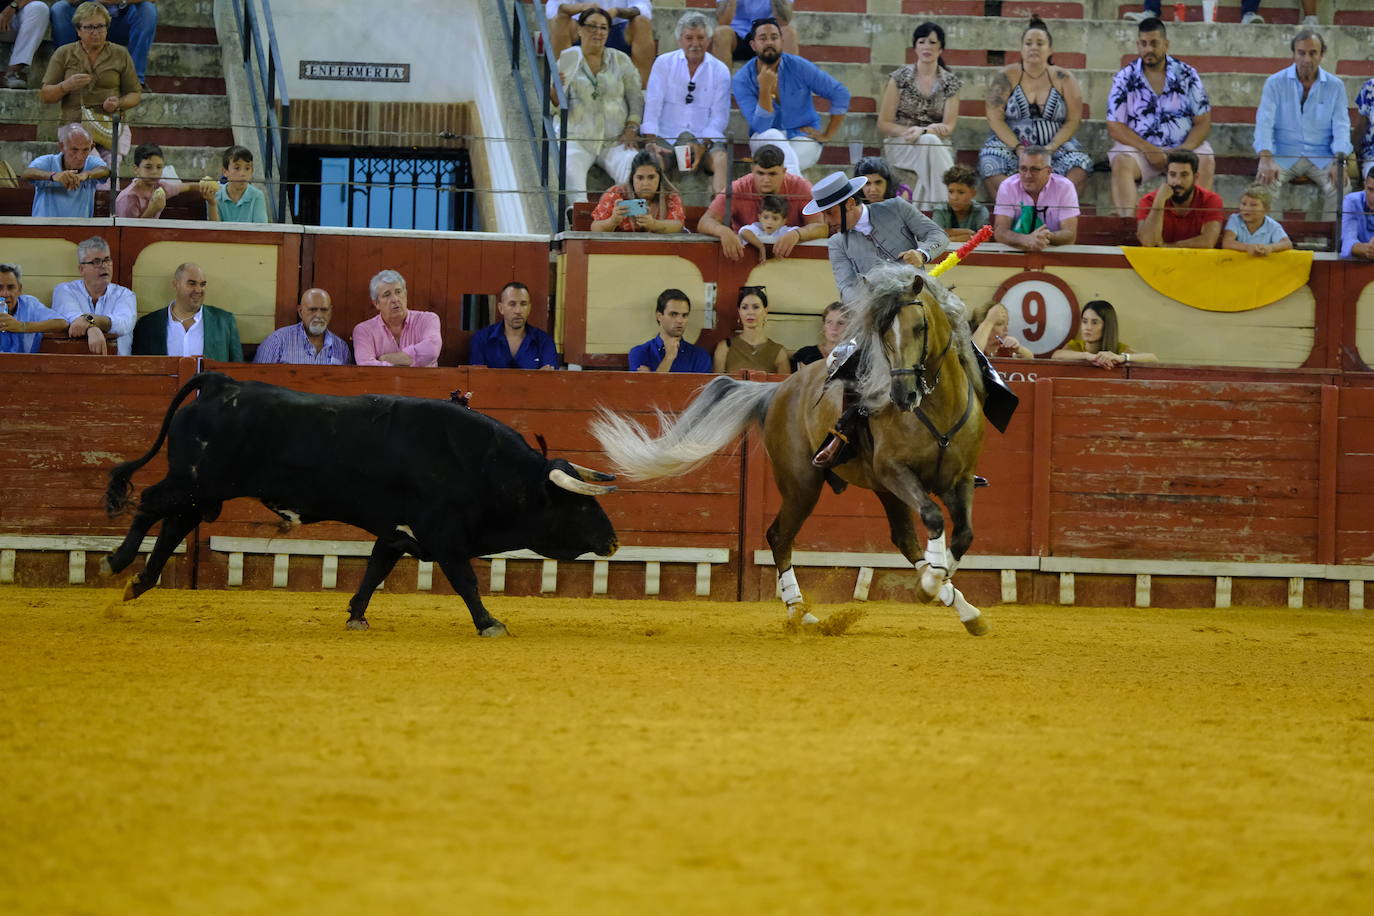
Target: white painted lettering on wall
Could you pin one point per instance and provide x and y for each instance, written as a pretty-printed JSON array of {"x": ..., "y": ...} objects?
[{"x": 355, "y": 71}]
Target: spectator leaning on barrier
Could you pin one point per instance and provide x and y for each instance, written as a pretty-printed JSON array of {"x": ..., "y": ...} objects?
[
  {"x": 27, "y": 20},
  {"x": 775, "y": 93},
  {"x": 766, "y": 176},
  {"x": 146, "y": 196},
  {"x": 23, "y": 319},
  {"x": 961, "y": 216},
  {"x": 396, "y": 335},
  {"x": 308, "y": 341},
  {"x": 64, "y": 182},
  {"x": 512, "y": 342},
  {"x": 1357, "y": 222},
  {"x": 632, "y": 29},
  {"x": 687, "y": 103},
  {"x": 731, "y": 41},
  {"x": 1035, "y": 207},
  {"x": 1098, "y": 341},
  {"x": 1252, "y": 229},
  {"x": 1157, "y": 103},
  {"x": 1302, "y": 124},
  {"x": 1180, "y": 214},
  {"x": 667, "y": 351},
  {"x": 662, "y": 205},
  {"x": 187, "y": 326},
  {"x": 238, "y": 200},
  {"x": 95, "y": 306},
  {"x": 131, "y": 23}
]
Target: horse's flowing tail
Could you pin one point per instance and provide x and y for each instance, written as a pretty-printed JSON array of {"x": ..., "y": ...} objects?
[{"x": 716, "y": 418}]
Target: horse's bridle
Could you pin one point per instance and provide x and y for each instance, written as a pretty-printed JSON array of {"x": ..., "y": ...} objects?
[{"x": 919, "y": 370}]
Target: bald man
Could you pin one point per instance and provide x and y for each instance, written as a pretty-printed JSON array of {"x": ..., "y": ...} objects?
[
  {"x": 187, "y": 326},
  {"x": 309, "y": 340}
]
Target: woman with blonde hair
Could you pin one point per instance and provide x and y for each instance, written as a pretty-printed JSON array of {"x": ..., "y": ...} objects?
[
  {"x": 91, "y": 79},
  {"x": 990, "y": 325},
  {"x": 833, "y": 326}
]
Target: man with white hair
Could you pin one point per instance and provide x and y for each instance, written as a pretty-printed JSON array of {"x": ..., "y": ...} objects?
[
  {"x": 308, "y": 341},
  {"x": 23, "y": 319},
  {"x": 27, "y": 20},
  {"x": 687, "y": 102},
  {"x": 396, "y": 335},
  {"x": 94, "y": 305},
  {"x": 64, "y": 182}
]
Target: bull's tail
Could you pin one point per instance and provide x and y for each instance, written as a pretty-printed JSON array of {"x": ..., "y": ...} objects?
[
  {"x": 121, "y": 488},
  {"x": 716, "y": 418}
]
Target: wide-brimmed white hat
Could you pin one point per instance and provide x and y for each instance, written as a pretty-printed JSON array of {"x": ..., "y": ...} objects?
[{"x": 831, "y": 190}]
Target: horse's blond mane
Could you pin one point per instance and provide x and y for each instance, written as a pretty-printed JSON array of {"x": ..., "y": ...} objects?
[{"x": 887, "y": 288}]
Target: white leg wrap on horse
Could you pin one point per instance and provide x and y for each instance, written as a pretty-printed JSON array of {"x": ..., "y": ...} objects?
[
  {"x": 951, "y": 597},
  {"x": 788, "y": 587},
  {"x": 936, "y": 555}
]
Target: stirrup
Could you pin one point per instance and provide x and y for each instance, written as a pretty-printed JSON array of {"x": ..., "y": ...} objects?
[
  {"x": 980, "y": 482},
  {"x": 830, "y": 449}
]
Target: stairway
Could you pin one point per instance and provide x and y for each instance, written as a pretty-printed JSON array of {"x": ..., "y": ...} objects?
[{"x": 185, "y": 111}]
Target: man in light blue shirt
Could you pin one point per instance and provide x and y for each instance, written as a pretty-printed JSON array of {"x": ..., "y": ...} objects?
[
  {"x": 64, "y": 182},
  {"x": 1303, "y": 124},
  {"x": 774, "y": 93},
  {"x": 23, "y": 319}
]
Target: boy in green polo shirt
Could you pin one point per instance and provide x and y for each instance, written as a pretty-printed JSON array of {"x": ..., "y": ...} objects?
[{"x": 237, "y": 201}]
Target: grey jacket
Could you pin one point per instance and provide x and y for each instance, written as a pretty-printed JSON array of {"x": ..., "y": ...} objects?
[{"x": 897, "y": 227}]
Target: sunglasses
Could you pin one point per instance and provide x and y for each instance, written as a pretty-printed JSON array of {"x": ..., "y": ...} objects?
[{"x": 691, "y": 88}]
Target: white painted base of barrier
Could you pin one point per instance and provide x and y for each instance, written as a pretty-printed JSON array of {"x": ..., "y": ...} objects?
[
  {"x": 1145, "y": 571},
  {"x": 282, "y": 549},
  {"x": 75, "y": 547}
]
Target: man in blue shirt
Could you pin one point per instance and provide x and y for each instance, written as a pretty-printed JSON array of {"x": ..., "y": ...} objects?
[
  {"x": 667, "y": 351},
  {"x": 1357, "y": 222},
  {"x": 309, "y": 341},
  {"x": 512, "y": 342},
  {"x": 23, "y": 319},
  {"x": 64, "y": 182},
  {"x": 1303, "y": 123},
  {"x": 774, "y": 93}
]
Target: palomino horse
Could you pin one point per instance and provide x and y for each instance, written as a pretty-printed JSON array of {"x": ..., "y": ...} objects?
[{"x": 920, "y": 387}]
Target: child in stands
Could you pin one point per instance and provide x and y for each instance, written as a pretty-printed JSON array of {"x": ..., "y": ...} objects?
[
  {"x": 770, "y": 227},
  {"x": 963, "y": 215},
  {"x": 147, "y": 195},
  {"x": 1251, "y": 228},
  {"x": 236, "y": 201}
]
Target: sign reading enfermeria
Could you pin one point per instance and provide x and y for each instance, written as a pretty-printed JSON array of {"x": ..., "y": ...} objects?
[{"x": 355, "y": 71}]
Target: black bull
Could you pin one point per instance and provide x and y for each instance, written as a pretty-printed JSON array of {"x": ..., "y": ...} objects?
[{"x": 426, "y": 477}]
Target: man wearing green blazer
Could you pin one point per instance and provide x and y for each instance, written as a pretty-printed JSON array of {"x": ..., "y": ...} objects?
[{"x": 187, "y": 326}]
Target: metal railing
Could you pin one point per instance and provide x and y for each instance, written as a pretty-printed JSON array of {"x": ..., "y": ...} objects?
[
  {"x": 262, "y": 68},
  {"x": 549, "y": 97}
]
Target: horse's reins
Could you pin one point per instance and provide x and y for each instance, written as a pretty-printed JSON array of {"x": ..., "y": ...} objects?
[{"x": 927, "y": 388}]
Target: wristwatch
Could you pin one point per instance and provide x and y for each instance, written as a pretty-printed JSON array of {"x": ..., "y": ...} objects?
[{"x": 89, "y": 319}]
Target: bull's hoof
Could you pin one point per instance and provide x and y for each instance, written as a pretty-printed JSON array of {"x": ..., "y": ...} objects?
[
  {"x": 357, "y": 623},
  {"x": 105, "y": 569},
  {"x": 132, "y": 589},
  {"x": 495, "y": 629},
  {"x": 977, "y": 626}
]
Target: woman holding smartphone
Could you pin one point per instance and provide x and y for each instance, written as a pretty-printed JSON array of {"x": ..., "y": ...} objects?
[{"x": 646, "y": 203}]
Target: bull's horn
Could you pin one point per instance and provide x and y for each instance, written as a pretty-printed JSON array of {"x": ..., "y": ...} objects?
[
  {"x": 590, "y": 474},
  {"x": 566, "y": 481}
]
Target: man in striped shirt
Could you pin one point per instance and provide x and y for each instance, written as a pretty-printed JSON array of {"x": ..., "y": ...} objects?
[{"x": 308, "y": 341}]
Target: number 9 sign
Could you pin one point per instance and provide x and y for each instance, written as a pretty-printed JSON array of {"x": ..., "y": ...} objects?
[{"x": 1042, "y": 308}]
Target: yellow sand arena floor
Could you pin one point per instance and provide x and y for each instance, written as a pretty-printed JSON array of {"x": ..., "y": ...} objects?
[{"x": 223, "y": 752}]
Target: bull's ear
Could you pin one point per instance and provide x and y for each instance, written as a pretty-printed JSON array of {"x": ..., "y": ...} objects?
[
  {"x": 589, "y": 474},
  {"x": 566, "y": 481}
]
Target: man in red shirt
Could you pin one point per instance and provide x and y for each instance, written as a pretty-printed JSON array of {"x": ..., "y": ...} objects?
[
  {"x": 766, "y": 176},
  {"x": 1187, "y": 216}
]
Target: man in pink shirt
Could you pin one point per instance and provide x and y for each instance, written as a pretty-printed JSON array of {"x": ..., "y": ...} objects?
[
  {"x": 396, "y": 336},
  {"x": 1035, "y": 207}
]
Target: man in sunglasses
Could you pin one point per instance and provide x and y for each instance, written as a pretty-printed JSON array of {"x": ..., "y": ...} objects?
[
  {"x": 732, "y": 41},
  {"x": 687, "y": 103},
  {"x": 95, "y": 306},
  {"x": 775, "y": 92}
]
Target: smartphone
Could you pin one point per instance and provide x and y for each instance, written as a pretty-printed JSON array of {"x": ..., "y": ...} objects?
[{"x": 636, "y": 206}]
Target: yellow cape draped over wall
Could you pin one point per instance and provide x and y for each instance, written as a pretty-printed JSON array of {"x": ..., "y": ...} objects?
[{"x": 1221, "y": 281}]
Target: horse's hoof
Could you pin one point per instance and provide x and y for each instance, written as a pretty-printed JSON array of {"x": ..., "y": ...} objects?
[
  {"x": 358, "y": 623},
  {"x": 977, "y": 626},
  {"x": 495, "y": 629}
]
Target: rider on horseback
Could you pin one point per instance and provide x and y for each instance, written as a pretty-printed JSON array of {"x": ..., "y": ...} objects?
[{"x": 865, "y": 235}]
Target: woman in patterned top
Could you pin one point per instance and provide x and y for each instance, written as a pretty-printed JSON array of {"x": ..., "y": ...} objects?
[
  {"x": 1033, "y": 103},
  {"x": 605, "y": 104},
  {"x": 647, "y": 183},
  {"x": 919, "y": 110}
]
